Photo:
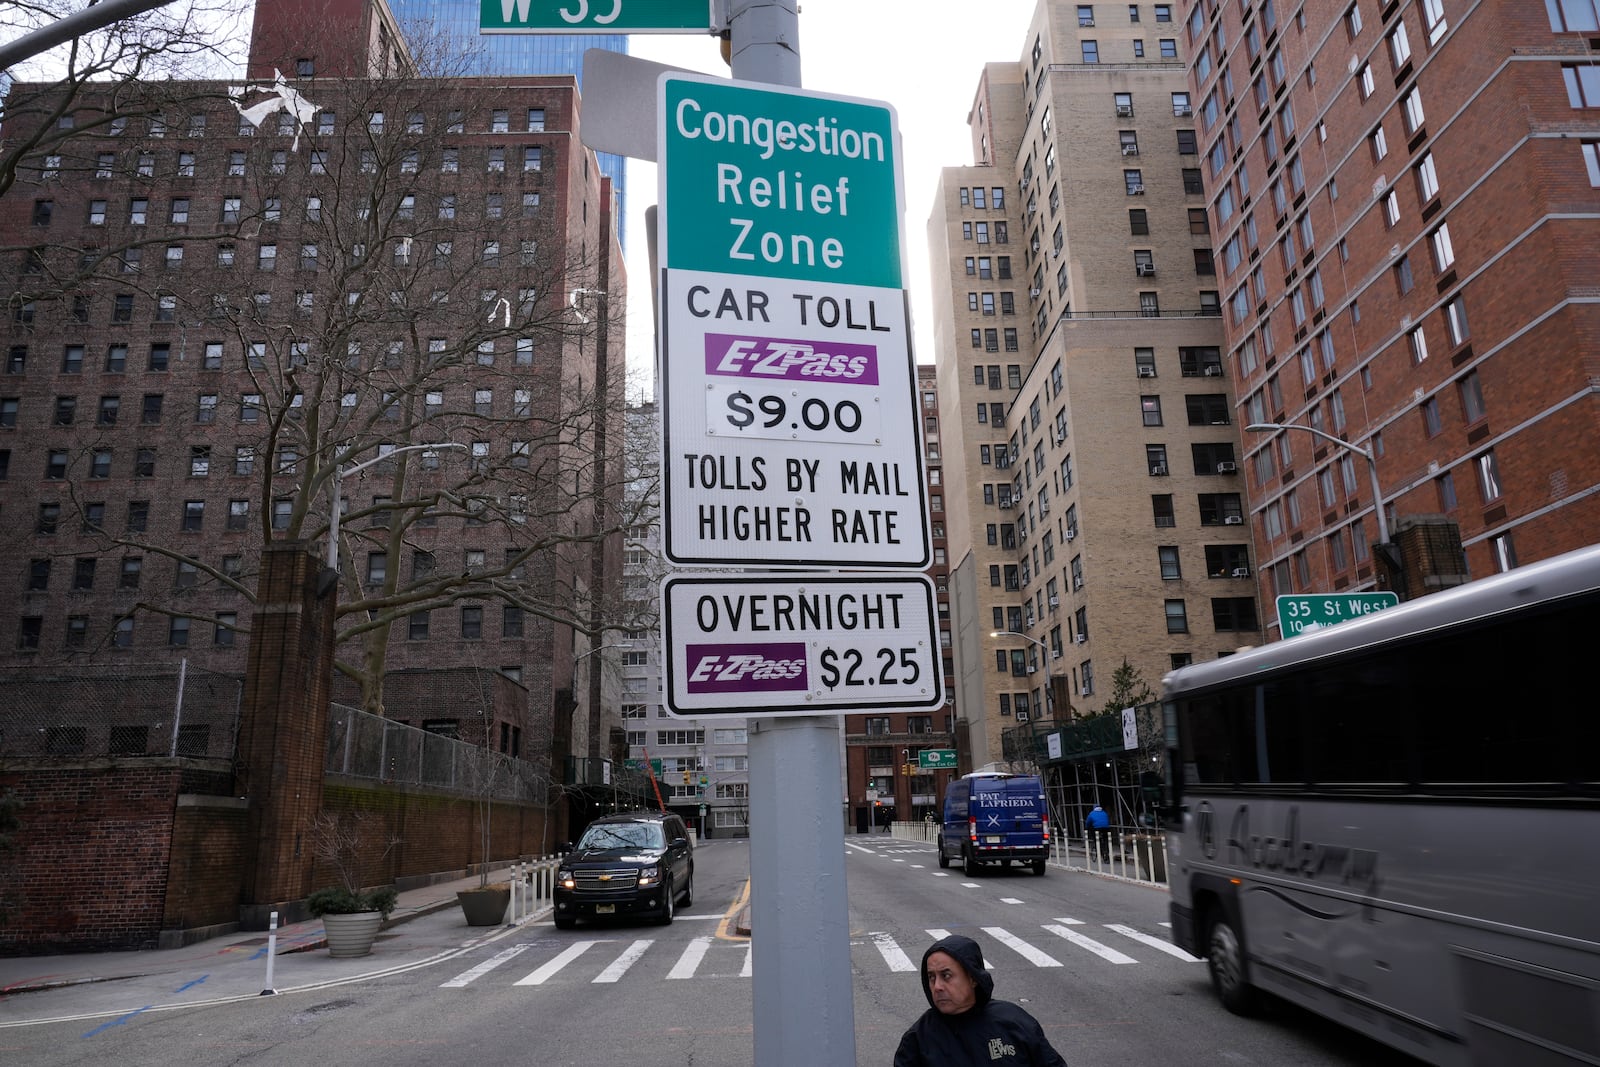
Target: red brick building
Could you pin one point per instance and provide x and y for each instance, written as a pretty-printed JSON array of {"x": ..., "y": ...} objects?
[
  {"x": 220, "y": 294},
  {"x": 882, "y": 746},
  {"x": 1404, "y": 195}
]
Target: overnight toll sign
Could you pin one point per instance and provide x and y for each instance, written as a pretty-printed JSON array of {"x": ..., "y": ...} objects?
[
  {"x": 811, "y": 645},
  {"x": 791, "y": 432}
]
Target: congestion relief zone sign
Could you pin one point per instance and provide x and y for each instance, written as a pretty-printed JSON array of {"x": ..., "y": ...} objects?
[
  {"x": 800, "y": 644},
  {"x": 792, "y": 436}
]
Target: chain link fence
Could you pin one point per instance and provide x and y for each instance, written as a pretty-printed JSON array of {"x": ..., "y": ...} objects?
[
  {"x": 363, "y": 745},
  {"x": 86, "y": 712}
]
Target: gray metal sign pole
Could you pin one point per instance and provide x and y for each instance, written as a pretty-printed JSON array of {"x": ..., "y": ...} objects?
[{"x": 804, "y": 1013}]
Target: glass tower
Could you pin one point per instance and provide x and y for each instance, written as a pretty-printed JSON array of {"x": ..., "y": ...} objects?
[{"x": 512, "y": 54}]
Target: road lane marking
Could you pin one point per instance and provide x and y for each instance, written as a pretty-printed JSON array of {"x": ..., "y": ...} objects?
[
  {"x": 690, "y": 960},
  {"x": 748, "y": 969},
  {"x": 465, "y": 978},
  {"x": 1154, "y": 942},
  {"x": 1069, "y": 922},
  {"x": 891, "y": 952},
  {"x": 1105, "y": 952},
  {"x": 970, "y": 885},
  {"x": 1010, "y": 900},
  {"x": 549, "y": 970},
  {"x": 620, "y": 965},
  {"x": 1021, "y": 947}
]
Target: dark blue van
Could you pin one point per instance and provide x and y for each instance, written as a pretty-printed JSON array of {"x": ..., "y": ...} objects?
[{"x": 995, "y": 818}]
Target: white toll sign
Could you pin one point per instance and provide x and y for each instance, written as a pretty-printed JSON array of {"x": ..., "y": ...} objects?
[{"x": 810, "y": 645}]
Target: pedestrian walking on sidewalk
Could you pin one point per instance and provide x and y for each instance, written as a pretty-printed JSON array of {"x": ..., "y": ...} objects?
[{"x": 964, "y": 1025}]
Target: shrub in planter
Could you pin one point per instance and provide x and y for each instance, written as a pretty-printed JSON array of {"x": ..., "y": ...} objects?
[{"x": 337, "y": 900}]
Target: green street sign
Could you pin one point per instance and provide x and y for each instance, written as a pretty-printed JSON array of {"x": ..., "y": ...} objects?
[
  {"x": 778, "y": 183},
  {"x": 1307, "y": 613},
  {"x": 594, "y": 16},
  {"x": 936, "y": 759}
]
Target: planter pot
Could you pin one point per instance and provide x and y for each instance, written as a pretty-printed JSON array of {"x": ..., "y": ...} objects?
[
  {"x": 352, "y": 934},
  {"x": 485, "y": 907}
]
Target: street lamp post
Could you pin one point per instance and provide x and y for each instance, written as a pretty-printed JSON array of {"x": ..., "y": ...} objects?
[
  {"x": 1365, "y": 453},
  {"x": 1044, "y": 651},
  {"x": 340, "y": 471}
]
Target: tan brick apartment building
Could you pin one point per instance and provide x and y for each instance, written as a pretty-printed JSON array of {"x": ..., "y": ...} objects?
[
  {"x": 1405, "y": 197},
  {"x": 1094, "y": 507},
  {"x": 208, "y": 313}
]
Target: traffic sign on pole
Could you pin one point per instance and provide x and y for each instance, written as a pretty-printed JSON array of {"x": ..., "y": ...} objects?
[
  {"x": 792, "y": 434},
  {"x": 936, "y": 758},
  {"x": 1308, "y": 612},
  {"x": 800, "y": 645},
  {"x": 594, "y": 16}
]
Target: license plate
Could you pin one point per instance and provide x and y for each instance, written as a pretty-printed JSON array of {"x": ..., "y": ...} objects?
[
  {"x": 991, "y": 840},
  {"x": 605, "y": 909}
]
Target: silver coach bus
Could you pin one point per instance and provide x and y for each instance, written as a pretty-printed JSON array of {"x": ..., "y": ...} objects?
[{"x": 1395, "y": 822}]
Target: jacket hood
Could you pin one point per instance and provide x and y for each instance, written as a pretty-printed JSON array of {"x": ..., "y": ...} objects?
[{"x": 966, "y": 952}]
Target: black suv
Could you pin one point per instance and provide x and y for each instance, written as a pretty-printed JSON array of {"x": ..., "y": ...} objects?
[{"x": 637, "y": 863}]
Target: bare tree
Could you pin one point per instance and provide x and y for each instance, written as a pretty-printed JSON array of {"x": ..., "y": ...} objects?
[{"x": 382, "y": 304}]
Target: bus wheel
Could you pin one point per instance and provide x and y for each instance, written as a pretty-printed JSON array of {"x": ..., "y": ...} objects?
[{"x": 1225, "y": 961}]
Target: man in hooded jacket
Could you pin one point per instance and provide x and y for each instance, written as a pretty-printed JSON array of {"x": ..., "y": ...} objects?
[{"x": 963, "y": 1024}]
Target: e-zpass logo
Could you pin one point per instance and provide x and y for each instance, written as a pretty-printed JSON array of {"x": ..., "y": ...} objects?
[
  {"x": 783, "y": 359},
  {"x": 747, "y": 667}
]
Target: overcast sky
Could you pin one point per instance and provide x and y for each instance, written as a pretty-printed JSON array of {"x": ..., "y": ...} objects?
[{"x": 921, "y": 56}]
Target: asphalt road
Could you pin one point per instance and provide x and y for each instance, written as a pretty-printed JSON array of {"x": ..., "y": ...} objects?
[{"x": 1089, "y": 957}]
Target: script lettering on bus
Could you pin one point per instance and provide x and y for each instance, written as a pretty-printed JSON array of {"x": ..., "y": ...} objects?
[{"x": 1286, "y": 853}]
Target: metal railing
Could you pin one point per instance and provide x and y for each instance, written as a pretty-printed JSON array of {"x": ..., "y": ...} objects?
[
  {"x": 1125, "y": 855},
  {"x": 363, "y": 745}
]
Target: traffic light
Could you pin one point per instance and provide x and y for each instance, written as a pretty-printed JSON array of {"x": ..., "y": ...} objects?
[
  {"x": 688, "y": 777},
  {"x": 872, "y": 783}
]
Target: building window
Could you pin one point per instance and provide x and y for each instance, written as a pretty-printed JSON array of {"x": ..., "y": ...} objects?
[{"x": 1177, "y": 617}]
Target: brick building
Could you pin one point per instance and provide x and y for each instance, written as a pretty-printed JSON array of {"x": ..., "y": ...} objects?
[
  {"x": 882, "y": 747},
  {"x": 219, "y": 297},
  {"x": 1093, "y": 502},
  {"x": 1405, "y": 198}
]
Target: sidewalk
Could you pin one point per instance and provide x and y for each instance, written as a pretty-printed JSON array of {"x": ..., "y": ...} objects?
[{"x": 426, "y": 925}]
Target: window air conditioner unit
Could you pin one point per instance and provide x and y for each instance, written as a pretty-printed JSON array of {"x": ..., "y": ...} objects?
[
  {"x": 1083, "y": 692},
  {"x": 1159, "y": 470},
  {"x": 1241, "y": 572},
  {"x": 1081, "y": 639},
  {"x": 1213, "y": 370},
  {"x": 1055, "y": 654},
  {"x": 1055, "y": 601},
  {"x": 1227, "y": 466},
  {"x": 1233, "y": 520},
  {"x": 1006, "y": 505},
  {"x": 1146, "y": 371},
  {"x": 1124, "y": 111},
  {"x": 1183, "y": 111},
  {"x": 1044, "y": 509},
  {"x": 1086, "y": 23},
  {"x": 1130, "y": 149},
  {"x": 1032, "y": 669},
  {"x": 1145, "y": 270},
  {"x": 1024, "y": 183},
  {"x": 1077, "y": 582},
  {"x": 1033, "y": 293},
  {"x": 1072, "y": 533},
  {"x": 1136, "y": 190}
]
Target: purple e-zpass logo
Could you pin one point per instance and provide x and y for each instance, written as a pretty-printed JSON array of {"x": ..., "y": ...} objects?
[
  {"x": 780, "y": 359},
  {"x": 747, "y": 667}
]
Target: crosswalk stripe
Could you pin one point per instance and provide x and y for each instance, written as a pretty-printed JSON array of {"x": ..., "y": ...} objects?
[
  {"x": 620, "y": 965},
  {"x": 1154, "y": 942},
  {"x": 545, "y": 973},
  {"x": 940, "y": 935},
  {"x": 749, "y": 955},
  {"x": 461, "y": 980},
  {"x": 1069, "y": 922},
  {"x": 1105, "y": 952},
  {"x": 891, "y": 952},
  {"x": 690, "y": 960},
  {"x": 1021, "y": 947}
]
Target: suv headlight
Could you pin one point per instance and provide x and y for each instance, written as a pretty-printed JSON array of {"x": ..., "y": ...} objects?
[
  {"x": 650, "y": 875},
  {"x": 564, "y": 879}
]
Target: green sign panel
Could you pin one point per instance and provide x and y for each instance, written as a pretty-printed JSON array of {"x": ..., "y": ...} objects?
[
  {"x": 936, "y": 759},
  {"x": 638, "y": 765},
  {"x": 594, "y": 16},
  {"x": 1307, "y": 613},
  {"x": 778, "y": 183}
]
